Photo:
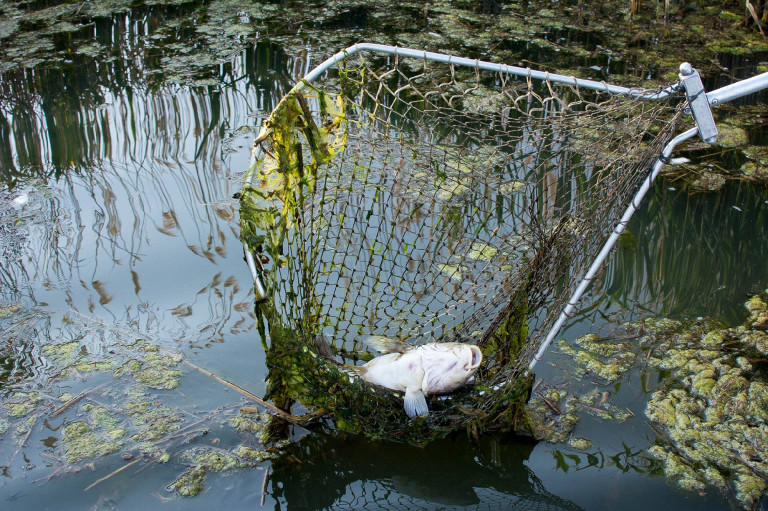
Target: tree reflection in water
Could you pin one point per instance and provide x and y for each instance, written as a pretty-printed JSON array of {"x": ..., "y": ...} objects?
[{"x": 349, "y": 472}]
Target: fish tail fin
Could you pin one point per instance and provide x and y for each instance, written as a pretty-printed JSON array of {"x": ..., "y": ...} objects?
[
  {"x": 386, "y": 345},
  {"x": 415, "y": 403}
]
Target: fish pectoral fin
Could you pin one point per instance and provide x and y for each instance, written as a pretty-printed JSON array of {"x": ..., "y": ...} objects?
[
  {"x": 415, "y": 403},
  {"x": 358, "y": 371},
  {"x": 386, "y": 345}
]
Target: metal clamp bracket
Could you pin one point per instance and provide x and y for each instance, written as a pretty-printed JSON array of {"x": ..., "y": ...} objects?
[{"x": 698, "y": 103}]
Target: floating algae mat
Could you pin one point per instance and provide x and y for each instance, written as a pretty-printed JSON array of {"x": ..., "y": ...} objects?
[
  {"x": 120, "y": 399},
  {"x": 710, "y": 413},
  {"x": 711, "y": 416}
]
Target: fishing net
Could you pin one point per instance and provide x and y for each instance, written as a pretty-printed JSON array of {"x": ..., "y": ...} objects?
[{"x": 432, "y": 203}]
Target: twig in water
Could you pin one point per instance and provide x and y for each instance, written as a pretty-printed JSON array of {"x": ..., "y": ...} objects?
[
  {"x": 280, "y": 413},
  {"x": 66, "y": 406},
  {"x": 114, "y": 472},
  {"x": 549, "y": 404},
  {"x": 23, "y": 441},
  {"x": 264, "y": 487}
]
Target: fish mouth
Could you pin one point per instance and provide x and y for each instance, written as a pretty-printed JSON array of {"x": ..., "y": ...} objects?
[{"x": 477, "y": 357}]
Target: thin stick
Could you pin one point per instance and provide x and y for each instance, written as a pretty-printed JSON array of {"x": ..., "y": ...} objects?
[
  {"x": 24, "y": 441},
  {"x": 264, "y": 486},
  {"x": 593, "y": 409},
  {"x": 549, "y": 404},
  {"x": 66, "y": 406},
  {"x": 115, "y": 472},
  {"x": 282, "y": 414}
]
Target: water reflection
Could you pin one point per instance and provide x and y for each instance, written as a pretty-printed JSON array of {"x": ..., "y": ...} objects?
[
  {"x": 348, "y": 472},
  {"x": 693, "y": 255},
  {"x": 127, "y": 180}
]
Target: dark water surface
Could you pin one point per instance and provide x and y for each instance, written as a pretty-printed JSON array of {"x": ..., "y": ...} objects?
[{"x": 129, "y": 224}]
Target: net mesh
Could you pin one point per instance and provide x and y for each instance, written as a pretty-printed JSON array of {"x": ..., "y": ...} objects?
[{"x": 432, "y": 203}]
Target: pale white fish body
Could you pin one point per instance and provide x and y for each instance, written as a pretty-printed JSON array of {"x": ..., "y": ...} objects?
[
  {"x": 396, "y": 371},
  {"x": 434, "y": 368}
]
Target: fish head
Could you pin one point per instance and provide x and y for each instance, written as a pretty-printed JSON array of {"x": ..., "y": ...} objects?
[{"x": 450, "y": 366}]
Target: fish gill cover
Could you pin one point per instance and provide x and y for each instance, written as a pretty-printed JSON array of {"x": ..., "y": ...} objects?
[{"x": 425, "y": 202}]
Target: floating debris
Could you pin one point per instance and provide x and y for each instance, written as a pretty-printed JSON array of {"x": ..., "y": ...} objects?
[
  {"x": 128, "y": 410},
  {"x": 548, "y": 419}
]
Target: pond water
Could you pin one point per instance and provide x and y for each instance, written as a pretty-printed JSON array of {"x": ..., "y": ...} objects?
[{"x": 118, "y": 224}]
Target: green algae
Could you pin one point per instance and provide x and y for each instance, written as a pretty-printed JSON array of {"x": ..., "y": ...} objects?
[
  {"x": 705, "y": 179},
  {"x": 580, "y": 443},
  {"x": 83, "y": 442},
  {"x": 154, "y": 368},
  {"x": 482, "y": 99},
  {"x": 455, "y": 272},
  {"x": 593, "y": 404},
  {"x": 711, "y": 412},
  {"x": 63, "y": 354},
  {"x": 543, "y": 420},
  {"x": 257, "y": 424},
  {"x": 608, "y": 360},
  {"x": 253, "y": 455},
  {"x": 21, "y": 404},
  {"x": 296, "y": 146},
  {"x": 191, "y": 482},
  {"x": 7, "y": 311},
  {"x": 731, "y": 136},
  {"x": 480, "y": 251},
  {"x": 153, "y": 421}
]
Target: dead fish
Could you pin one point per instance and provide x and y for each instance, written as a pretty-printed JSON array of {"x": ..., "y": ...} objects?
[{"x": 434, "y": 368}]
